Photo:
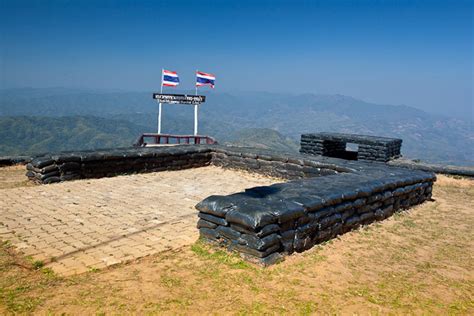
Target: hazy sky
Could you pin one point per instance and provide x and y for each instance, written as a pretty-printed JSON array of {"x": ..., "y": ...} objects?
[{"x": 418, "y": 53}]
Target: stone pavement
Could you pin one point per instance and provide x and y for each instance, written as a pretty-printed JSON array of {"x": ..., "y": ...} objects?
[{"x": 89, "y": 224}]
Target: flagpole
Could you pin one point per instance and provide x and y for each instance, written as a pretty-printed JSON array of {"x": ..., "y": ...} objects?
[
  {"x": 196, "y": 111},
  {"x": 159, "y": 104}
]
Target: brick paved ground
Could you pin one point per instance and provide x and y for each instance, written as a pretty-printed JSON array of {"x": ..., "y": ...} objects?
[{"x": 80, "y": 225}]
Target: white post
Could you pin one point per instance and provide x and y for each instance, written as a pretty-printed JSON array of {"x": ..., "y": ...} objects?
[
  {"x": 159, "y": 104},
  {"x": 196, "y": 110},
  {"x": 159, "y": 117},
  {"x": 195, "y": 119}
]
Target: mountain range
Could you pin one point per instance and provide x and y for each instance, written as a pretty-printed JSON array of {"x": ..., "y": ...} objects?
[{"x": 39, "y": 120}]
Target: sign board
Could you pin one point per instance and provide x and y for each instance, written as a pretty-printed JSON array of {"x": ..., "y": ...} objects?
[{"x": 179, "y": 98}]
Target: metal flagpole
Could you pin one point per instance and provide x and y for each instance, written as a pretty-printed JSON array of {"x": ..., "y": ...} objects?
[
  {"x": 159, "y": 104},
  {"x": 196, "y": 111}
]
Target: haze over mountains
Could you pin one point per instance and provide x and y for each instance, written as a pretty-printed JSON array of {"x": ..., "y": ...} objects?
[{"x": 41, "y": 120}]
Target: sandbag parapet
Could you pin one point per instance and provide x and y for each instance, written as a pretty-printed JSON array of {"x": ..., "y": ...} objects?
[
  {"x": 371, "y": 148},
  {"x": 273, "y": 163},
  {"x": 266, "y": 223},
  {"x": 67, "y": 166}
]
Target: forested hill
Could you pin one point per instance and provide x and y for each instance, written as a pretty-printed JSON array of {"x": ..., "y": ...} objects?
[
  {"x": 34, "y": 135},
  {"x": 428, "y": 137}
]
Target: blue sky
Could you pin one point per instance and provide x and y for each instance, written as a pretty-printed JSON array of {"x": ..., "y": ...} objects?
[{"x": 417, "y": 53}]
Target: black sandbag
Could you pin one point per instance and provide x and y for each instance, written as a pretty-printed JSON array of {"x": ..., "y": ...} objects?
[
  {"x": 323, "y": 235},
  {"x": 312, "y": 204},
  {"x": 348, "y": 213},
  {"x": 375, "y": 206},
  {"x": 208, "y": 233},
  {"x": 69, "y": 177},
  {"x": 379, "y": 215},
  {"x": 216, "y": 205},
  {"x": 41, "y": 177},
  {"x": 315, "y": 216},
  {"x": 305, "y": 219},
  {"x": 49, "y": 168},
  {"x": 367, "y": 217},
  {"x": 256, "y": 253},
  {"x": 363, "y": 209},
  {"x": 30, "y": 174},
  {"x": 342, "y": 207},
  {"x": 306, "y": 230},
  {"x": 374, "y": 198},
  {"x": 62, "y": 158},
  {"x": 205, "y": 224},
  {"x": 213, "y": 219},
  {"x": 41, "y": 162},
  {"x": 271, "y": 259},
  {"x": 336, "y": 229},
  {"x": 252, "y": 215},
  {"x": 303, "y": 244},
  {"x": 289, "y": 225},
  {"x": 228, "y": 233},
  {"x": 286, "y": 210},
  {"x": 259, "y": 243},
  {"x": 264, "y": 231},
  {"x": 387, "y": 195},
  {"x": 288, "y": 246},
  {"x": 352, "y": 221},
  {"x": 51, "y": 180},
  {"x": 329, "y": 220},
  {"x": 288, "y": 235},
  {"x": 389, "y": 201},
  {"x": 68, "y": 166},
  {"x": 333, "y": 198}
]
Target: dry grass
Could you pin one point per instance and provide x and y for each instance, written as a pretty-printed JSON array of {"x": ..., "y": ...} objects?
[{"x": 417, "y": 262}]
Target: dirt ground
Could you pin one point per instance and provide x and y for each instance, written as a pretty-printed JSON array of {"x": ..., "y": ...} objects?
[
  {"x": 14, "y": 177},
  {"x": 416, "y": 262}
]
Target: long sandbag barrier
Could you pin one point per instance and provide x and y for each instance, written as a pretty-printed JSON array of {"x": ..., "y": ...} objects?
[{"x": 321, "y": 198}]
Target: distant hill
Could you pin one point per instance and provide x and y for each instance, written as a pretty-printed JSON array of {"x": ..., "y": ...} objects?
[
  {"x": 427, "y": 137},
  {"x": 34, "y": 135},
  {"x": 263, "y": 138}
]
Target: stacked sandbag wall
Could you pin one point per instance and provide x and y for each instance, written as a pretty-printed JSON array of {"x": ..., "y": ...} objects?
[
  {"x": 98, "y": 164},
  {"x": 321, "y": 147},
  {"x": 380, "y": 152},
  {"x": 370, "y": 148},
  {"x": 14, "y": 160},
  {"x": 273, "y": 164},
  {"x": 265, "y": 223}
]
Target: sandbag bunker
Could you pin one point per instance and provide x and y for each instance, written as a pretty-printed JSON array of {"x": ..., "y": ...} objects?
[{"x": 321, "y": 198}]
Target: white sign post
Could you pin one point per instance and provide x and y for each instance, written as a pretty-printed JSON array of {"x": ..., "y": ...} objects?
[
  {"x": 159, "y": 104},
  {"x": 196, "y": 113},
  {"x": 195, "y": 119}
]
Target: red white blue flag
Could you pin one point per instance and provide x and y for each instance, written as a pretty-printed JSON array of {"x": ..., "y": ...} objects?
[
  {"x": 169, "y": 78},
  {"x": 205, "y": 79}
]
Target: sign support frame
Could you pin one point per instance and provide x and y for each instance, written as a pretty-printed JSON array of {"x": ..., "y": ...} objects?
[{"x": 194, "y": 100}]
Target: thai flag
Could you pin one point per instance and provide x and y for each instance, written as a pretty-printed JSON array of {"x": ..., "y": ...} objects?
[
  {"x": 204, "y": 79},
  {"x": 170, "y": 78}
]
